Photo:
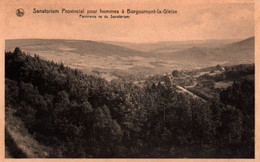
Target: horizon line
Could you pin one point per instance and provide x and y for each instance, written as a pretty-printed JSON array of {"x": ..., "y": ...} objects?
[{"x": 118, "y": 41}]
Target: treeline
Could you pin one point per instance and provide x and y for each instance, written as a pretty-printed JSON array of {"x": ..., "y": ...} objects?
[
  {"x": 231, "y": 73},
  {"x": 79, "y": 115}
]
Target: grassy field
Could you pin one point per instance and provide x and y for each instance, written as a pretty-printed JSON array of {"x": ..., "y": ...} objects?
[{"x": 223, "y": 84}]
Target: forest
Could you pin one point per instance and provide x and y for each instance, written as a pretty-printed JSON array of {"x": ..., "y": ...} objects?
[{"x": 78, "y": 115}]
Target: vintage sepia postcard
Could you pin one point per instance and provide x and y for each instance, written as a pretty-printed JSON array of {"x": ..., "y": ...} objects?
[{"x": 129, "y": 80}]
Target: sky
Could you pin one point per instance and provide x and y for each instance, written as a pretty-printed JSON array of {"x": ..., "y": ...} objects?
[{"x": 194, "y": 21}]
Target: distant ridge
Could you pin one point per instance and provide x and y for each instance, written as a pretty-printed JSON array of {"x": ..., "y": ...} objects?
[
  {"x": 78, "y": 46},
  {"x": 246, "y": 42},
  {"x": 234, "y": 53},
  {"x": 86, "y": 54}
]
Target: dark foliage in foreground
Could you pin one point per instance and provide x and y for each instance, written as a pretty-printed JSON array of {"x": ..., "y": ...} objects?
[{"x": 84, "y": 116}]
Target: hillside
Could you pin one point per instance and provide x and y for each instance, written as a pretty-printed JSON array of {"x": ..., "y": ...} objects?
[
  {"x": 19, "y": 142},
  {"x": 75, "y": 115},
  {"x": 82, "y": 47},
  {"x": 166, "y": 46},
  {"x": 234, "y": 53},
  {"x": 247, "y": 43},
  {"x": 88, "y": 56},
  {"x": 107, "y": 60}
]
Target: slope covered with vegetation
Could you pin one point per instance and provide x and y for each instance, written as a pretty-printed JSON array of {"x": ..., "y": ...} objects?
[{"x": 79, "y": 115}]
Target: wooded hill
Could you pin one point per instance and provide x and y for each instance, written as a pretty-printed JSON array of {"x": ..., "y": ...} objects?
[{"x": 79, "y": 115}]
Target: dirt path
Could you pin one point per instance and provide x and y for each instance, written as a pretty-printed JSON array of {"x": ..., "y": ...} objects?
[
  {"x": 182, "y": 89},
  {"x": 11, "y": 148},
  {"x": 19, "y": 143},
  {"x": 189, "y": 92}
]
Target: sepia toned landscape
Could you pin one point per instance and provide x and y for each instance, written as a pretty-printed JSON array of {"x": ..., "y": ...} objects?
[
  {"x": 110, "y": 58},
  {"x": 129, "y": 79},
  {"x": 90, "y": 99}
]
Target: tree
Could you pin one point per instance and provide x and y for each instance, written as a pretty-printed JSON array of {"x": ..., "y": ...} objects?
[
  {"x": 232, "y": 127},
  {"x": 175, "y": 73},
  {"x": 17, "y": 51},
  {"x": 106, "y": 130}
]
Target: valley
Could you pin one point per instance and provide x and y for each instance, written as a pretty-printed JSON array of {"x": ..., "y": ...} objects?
[
  {"x": 108, "y": 59},
  {"x": 86, "y": 99}
]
